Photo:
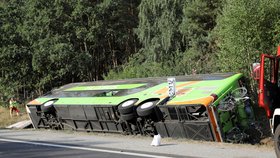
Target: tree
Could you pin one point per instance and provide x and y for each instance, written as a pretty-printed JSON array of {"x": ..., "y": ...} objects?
[
  {"x": 176, "y": 38},
  {"x": 158, "y": 33},
  {"x": 245, "y": 29},
  {"x": 198, "y": 22},
  {"x": 15, "y": 57},
  {"x": 158, "y": 29},
  {"x": 45, "y": 44},
  {"x": 103, "y": 35},
  {"x": 53, "y": 57}
]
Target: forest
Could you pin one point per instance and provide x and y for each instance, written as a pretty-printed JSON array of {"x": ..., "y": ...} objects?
[{"x": 48, "y": 43}]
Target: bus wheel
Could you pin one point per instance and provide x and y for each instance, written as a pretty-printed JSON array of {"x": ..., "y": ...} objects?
[
  {"x": 127, "y": 117},
  {"x": 146, "y": 108},
  {"x": 127, "y": 106}
]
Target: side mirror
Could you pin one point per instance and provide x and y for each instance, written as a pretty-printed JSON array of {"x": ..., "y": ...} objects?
[{"x": 256, "y": 71}]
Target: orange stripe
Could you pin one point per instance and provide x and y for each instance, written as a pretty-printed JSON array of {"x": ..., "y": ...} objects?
[
  {"x": 163, "y": 96},
  {"x": 34, "y": 102},
  {"x": 165, "y": 89},
  {"x": 214, "y": 124},
  {"x": 182, "y": 91},
  {"x": 206, "y": 101},
  {"x": 161, "y": 91},
  {"x": 186, "y": 84}
]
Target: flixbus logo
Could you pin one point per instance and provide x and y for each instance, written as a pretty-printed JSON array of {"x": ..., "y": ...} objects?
[{"x": 171, "y": 87}]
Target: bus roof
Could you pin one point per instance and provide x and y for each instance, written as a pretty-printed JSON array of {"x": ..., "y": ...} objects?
[{"x": 190, "y": 89}]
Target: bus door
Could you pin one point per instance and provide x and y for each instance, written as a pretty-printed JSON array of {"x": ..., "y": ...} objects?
[{"x": 267, "y": 84}]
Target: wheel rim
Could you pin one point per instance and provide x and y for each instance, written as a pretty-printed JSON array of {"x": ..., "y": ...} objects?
[
  {"x": 147, "y": 105},
  {"x": 49, "y": 103},
  {"x": 128, "y": 103}
]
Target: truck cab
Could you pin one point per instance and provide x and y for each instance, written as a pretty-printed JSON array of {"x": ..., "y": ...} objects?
[{"x": 268, "y": 75}]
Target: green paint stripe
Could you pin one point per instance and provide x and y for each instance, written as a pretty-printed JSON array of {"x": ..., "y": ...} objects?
[
  {"x": 206, "y": 88},
  {"x": 90, "y": 101},
  {"x": 105, "y": 87},
  {"x": 199, "y": 90}
]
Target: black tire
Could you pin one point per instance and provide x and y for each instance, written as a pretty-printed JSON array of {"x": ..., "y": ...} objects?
[
  {"x": 127, "y": 117},
  {"x": 48, "y": 107},
  {"x": 277, "y": 141},
  {"x": 128, "y": 108},
  {"x": 143, "y": 110}
]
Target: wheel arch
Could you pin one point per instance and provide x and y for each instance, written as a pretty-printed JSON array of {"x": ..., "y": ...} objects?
[
  {"x": 49, "y": 108},
  {"x": 150, "y": 99}
]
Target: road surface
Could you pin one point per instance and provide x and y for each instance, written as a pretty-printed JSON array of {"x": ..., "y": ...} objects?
[
  {"x": 10, "y": 149},
  {"x": 48, "y": 143}
]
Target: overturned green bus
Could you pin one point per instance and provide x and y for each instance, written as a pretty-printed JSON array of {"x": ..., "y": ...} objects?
[{"x": 212, "y": 107}]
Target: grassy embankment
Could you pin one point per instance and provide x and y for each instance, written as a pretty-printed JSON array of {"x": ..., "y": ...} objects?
[{"x": 6, "y": 120}]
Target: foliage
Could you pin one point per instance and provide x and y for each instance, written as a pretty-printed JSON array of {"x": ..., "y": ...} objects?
[
  {"x": 176, "y": 39},
  {"x": 45, "y": 44},
  {"x": 244, "y": 30},
  {"x": 198, "y": 22},
  {"x": 15, "y": 63},
  {"x": 158, "y": 28}
]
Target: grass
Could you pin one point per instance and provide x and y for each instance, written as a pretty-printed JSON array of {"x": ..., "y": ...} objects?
[{"x": 6, "y": 120}]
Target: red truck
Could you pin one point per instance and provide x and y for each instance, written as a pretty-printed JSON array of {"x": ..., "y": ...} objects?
[{"x": 267, "y": 73}]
